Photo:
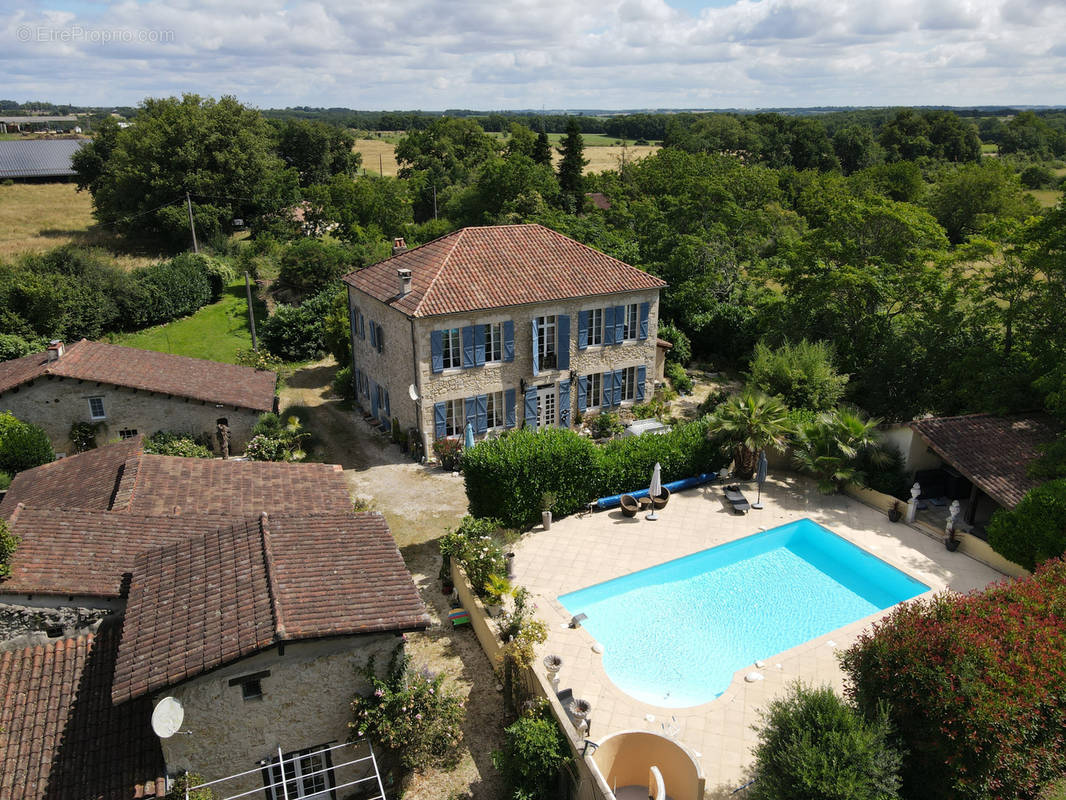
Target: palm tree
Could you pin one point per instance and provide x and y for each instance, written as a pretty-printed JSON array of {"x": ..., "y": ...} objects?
[
  {"x": 747, "y": 423},
  {"x": 830, "y": 447}
]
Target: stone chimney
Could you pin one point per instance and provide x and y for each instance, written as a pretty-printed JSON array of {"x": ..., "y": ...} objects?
[
  {"x": 405, "y": 280},
  {"x": 55, "y": 350},
  {"x": 398, "y": 246}
]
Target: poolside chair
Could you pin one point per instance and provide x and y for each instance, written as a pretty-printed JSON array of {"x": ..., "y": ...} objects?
[
  {"x": 630, "y": 505},
  {"x": 737, "y": 499},
  {"x": 662, "y": 499}
]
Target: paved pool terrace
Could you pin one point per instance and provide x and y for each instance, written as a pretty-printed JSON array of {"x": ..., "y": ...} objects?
[{"x": 580, "y": 551}]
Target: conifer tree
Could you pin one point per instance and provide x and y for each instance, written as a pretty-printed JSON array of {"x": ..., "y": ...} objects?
[{"x": 572, "y": 165}]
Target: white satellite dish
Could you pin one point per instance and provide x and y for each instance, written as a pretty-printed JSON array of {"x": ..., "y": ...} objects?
[
  {"x": 167, "y": 717},
  {"x": 411, "y": 390}
]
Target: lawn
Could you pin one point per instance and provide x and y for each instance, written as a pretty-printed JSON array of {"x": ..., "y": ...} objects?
[
  {"x": 39, "y": 216},
  {"x": 378, "y": 153},
  {"x": 214, "y": 332},
  {"x": 1048, "y": 198}
]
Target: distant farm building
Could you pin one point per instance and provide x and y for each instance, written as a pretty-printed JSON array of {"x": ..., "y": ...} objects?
[{"x": 38, "y": 158}]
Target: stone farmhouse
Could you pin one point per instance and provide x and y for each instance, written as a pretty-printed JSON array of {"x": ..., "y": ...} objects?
[
  {"x": 500, "y": 326},
  {"x": 124, "y": 391},
  {"x": 248, "y": 591}
]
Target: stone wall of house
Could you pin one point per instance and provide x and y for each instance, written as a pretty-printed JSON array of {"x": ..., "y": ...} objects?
[
  {"x": 27, "y": 625},
  {"x": 456, "y": 383},
  {"x": 56, "y": 403},
  {"x": 392, "y": 368},
  {"x": 305, "y": 702}
]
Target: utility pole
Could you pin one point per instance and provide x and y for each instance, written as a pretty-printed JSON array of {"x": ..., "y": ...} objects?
[
  {"x": 251, "y": 311},
  {"x": 381, "y": 169},
  {"x": 192, "y": 225},
  {"x": 434, "y": 201}
]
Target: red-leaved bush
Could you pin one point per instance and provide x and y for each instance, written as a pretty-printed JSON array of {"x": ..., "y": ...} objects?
[{"x": 976, "y": 685}]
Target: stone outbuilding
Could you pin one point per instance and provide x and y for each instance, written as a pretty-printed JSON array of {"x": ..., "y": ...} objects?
[
  {"x": 124, "y": 391},
  {"x": 501, "y": 326}
]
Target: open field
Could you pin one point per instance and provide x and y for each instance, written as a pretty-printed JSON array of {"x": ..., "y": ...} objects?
[
  {"x": 601, "y": 152},
  {"x": 39, "y": 216},
  {"x": 215, "y": 332},
  {"x": 1048, "y": 198}
]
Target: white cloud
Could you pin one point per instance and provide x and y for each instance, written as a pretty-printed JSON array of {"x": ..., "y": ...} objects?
[{"x": 529, "y": 53}]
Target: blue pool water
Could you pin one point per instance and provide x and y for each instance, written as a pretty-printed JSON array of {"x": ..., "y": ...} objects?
[{"x": 674, "y": 634}]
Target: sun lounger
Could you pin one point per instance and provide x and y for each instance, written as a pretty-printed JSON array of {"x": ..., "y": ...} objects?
[{"x": 737, "y": 499}]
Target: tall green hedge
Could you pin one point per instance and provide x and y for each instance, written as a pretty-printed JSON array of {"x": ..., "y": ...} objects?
[
  {"x": 1035, "y": 530},
  {"x": 508, "y": 477}
]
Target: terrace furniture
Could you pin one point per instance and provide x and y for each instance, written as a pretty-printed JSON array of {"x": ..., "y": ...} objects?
[
  {"x": 661, "y": 500},
  {"x": 737, "y": 499},
  {"x": 630, "y": 505},
  {"x": 459, "y": 616}
]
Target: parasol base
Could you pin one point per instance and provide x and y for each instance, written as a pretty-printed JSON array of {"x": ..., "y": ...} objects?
[
  {"x": 756, "y": 505},
  {"x": 652, "y": 515}
]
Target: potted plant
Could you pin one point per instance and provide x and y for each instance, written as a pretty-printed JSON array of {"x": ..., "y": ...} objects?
[
  {"x": 895, "y": 514},
  {"x": 951, "y": 541},
  {"x": 547, "y": 503},
  {"x": 496, "y": 587}
]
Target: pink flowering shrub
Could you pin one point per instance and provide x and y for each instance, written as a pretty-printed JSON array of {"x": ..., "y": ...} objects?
[
  {"x": 411, "y": 714},
  {"x": 976, "y": 686}
]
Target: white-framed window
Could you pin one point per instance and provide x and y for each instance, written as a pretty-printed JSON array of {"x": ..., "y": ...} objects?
[
  {"x": 96, "y": 408},
  {"x": 494, "y": 410},
  {"x": 629, "y": 384},
  {"x": 594, "y": 390},
  {"x": 595, "y": 327},
  {"x": 546, "y": 352},
  {"x": 306, "y": 774},
  {"x": 493, "y": 342},
  {"x": 630, "y": 326},
  {"x": 455, "y": 418},
  {"x": 451, "y": 348}
]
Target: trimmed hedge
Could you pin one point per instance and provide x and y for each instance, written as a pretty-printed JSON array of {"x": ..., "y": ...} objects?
[
  {"x": 297, "y": 332},
  {"x": 508, "y": 477},
  {"x": 1035, "y": 530},
  {"x": 22, "y": 445},
  {"x": 167, "y": 290},
  {"x": 976, "y": 686}
]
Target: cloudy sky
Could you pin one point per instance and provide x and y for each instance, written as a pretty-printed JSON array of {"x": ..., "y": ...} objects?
[{"x": 506, "y": 54}]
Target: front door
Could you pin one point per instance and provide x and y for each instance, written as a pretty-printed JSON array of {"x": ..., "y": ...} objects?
[{"x": 546, "y": 407}]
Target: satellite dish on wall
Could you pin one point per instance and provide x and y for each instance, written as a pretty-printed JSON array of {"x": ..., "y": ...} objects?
[
  {"x": 167, "y": 717},
  {"x": 411, "y": 390}
]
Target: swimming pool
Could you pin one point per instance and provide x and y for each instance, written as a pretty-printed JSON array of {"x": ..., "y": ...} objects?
[{"x": 674, "y": 634}]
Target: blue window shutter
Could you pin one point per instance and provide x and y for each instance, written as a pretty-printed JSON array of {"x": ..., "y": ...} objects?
[
  {"x": 436, "y": 345},
  {"x": 479, "y": 345},
  {"x": 606, "y": 383},
  {"x": 583, "y": 329},
  {"x": 564, "y": 404},
  {"x": 536, "y": 357},
  {"x": 619, "y": 324},
  {"x": 470, "y": 409},
  {"x": 482, "y": 408},
  {"x": 642, "y": 374},
  {"x": 616, "y": 394},
  {"x": 531, "y": 407},
  {"x": 362, "y": 325},
  {"x": 381, "y": 338},
  {"x": 440, "y": 420},
  {"x": 373, "y": 398},
  {"x": 373, "y": 334},
  {"x": 508, "y": 408},
  {"x": 388, "y": 410},
  {"x": 644, "y": 307},
  {"x": 608, "y": 325},
  {"x": 468, "y": 346},
  {"x": 582, "y": 390},
  {"x": 508, "y": 340},
  {"x": 563, "y": 346}
]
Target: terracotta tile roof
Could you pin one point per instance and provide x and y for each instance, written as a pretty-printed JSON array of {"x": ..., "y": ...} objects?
[
  {"x": 993, "y": 452},
  {"x": 153, "y": 484},
  {"x": 86, "y": 480},
  {"x": 195, "y": 378},
  {"x": 60, "y": 736},
  {"x": 211, "y": 600},
  {"x": 496, "y": 266},
  {"x": 91, "y": 553}
]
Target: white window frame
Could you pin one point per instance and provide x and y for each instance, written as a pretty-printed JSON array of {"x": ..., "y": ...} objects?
[
  {"x": 455, "y": 417},
  {"x": 629, "y": 384},
  {"x": 631, "y": 326},
  {"x": 547, "y": 341},
  {"x": 296, "y": 769},
  {"x": 595, "y": 329},
  {"x": 451, "y": 348},
  {"x": 493, "y": 342},
  {"x": 92, "y": 413},
  {"x": 495, "y": 413},
  {"x": 594, "y": 390}
]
